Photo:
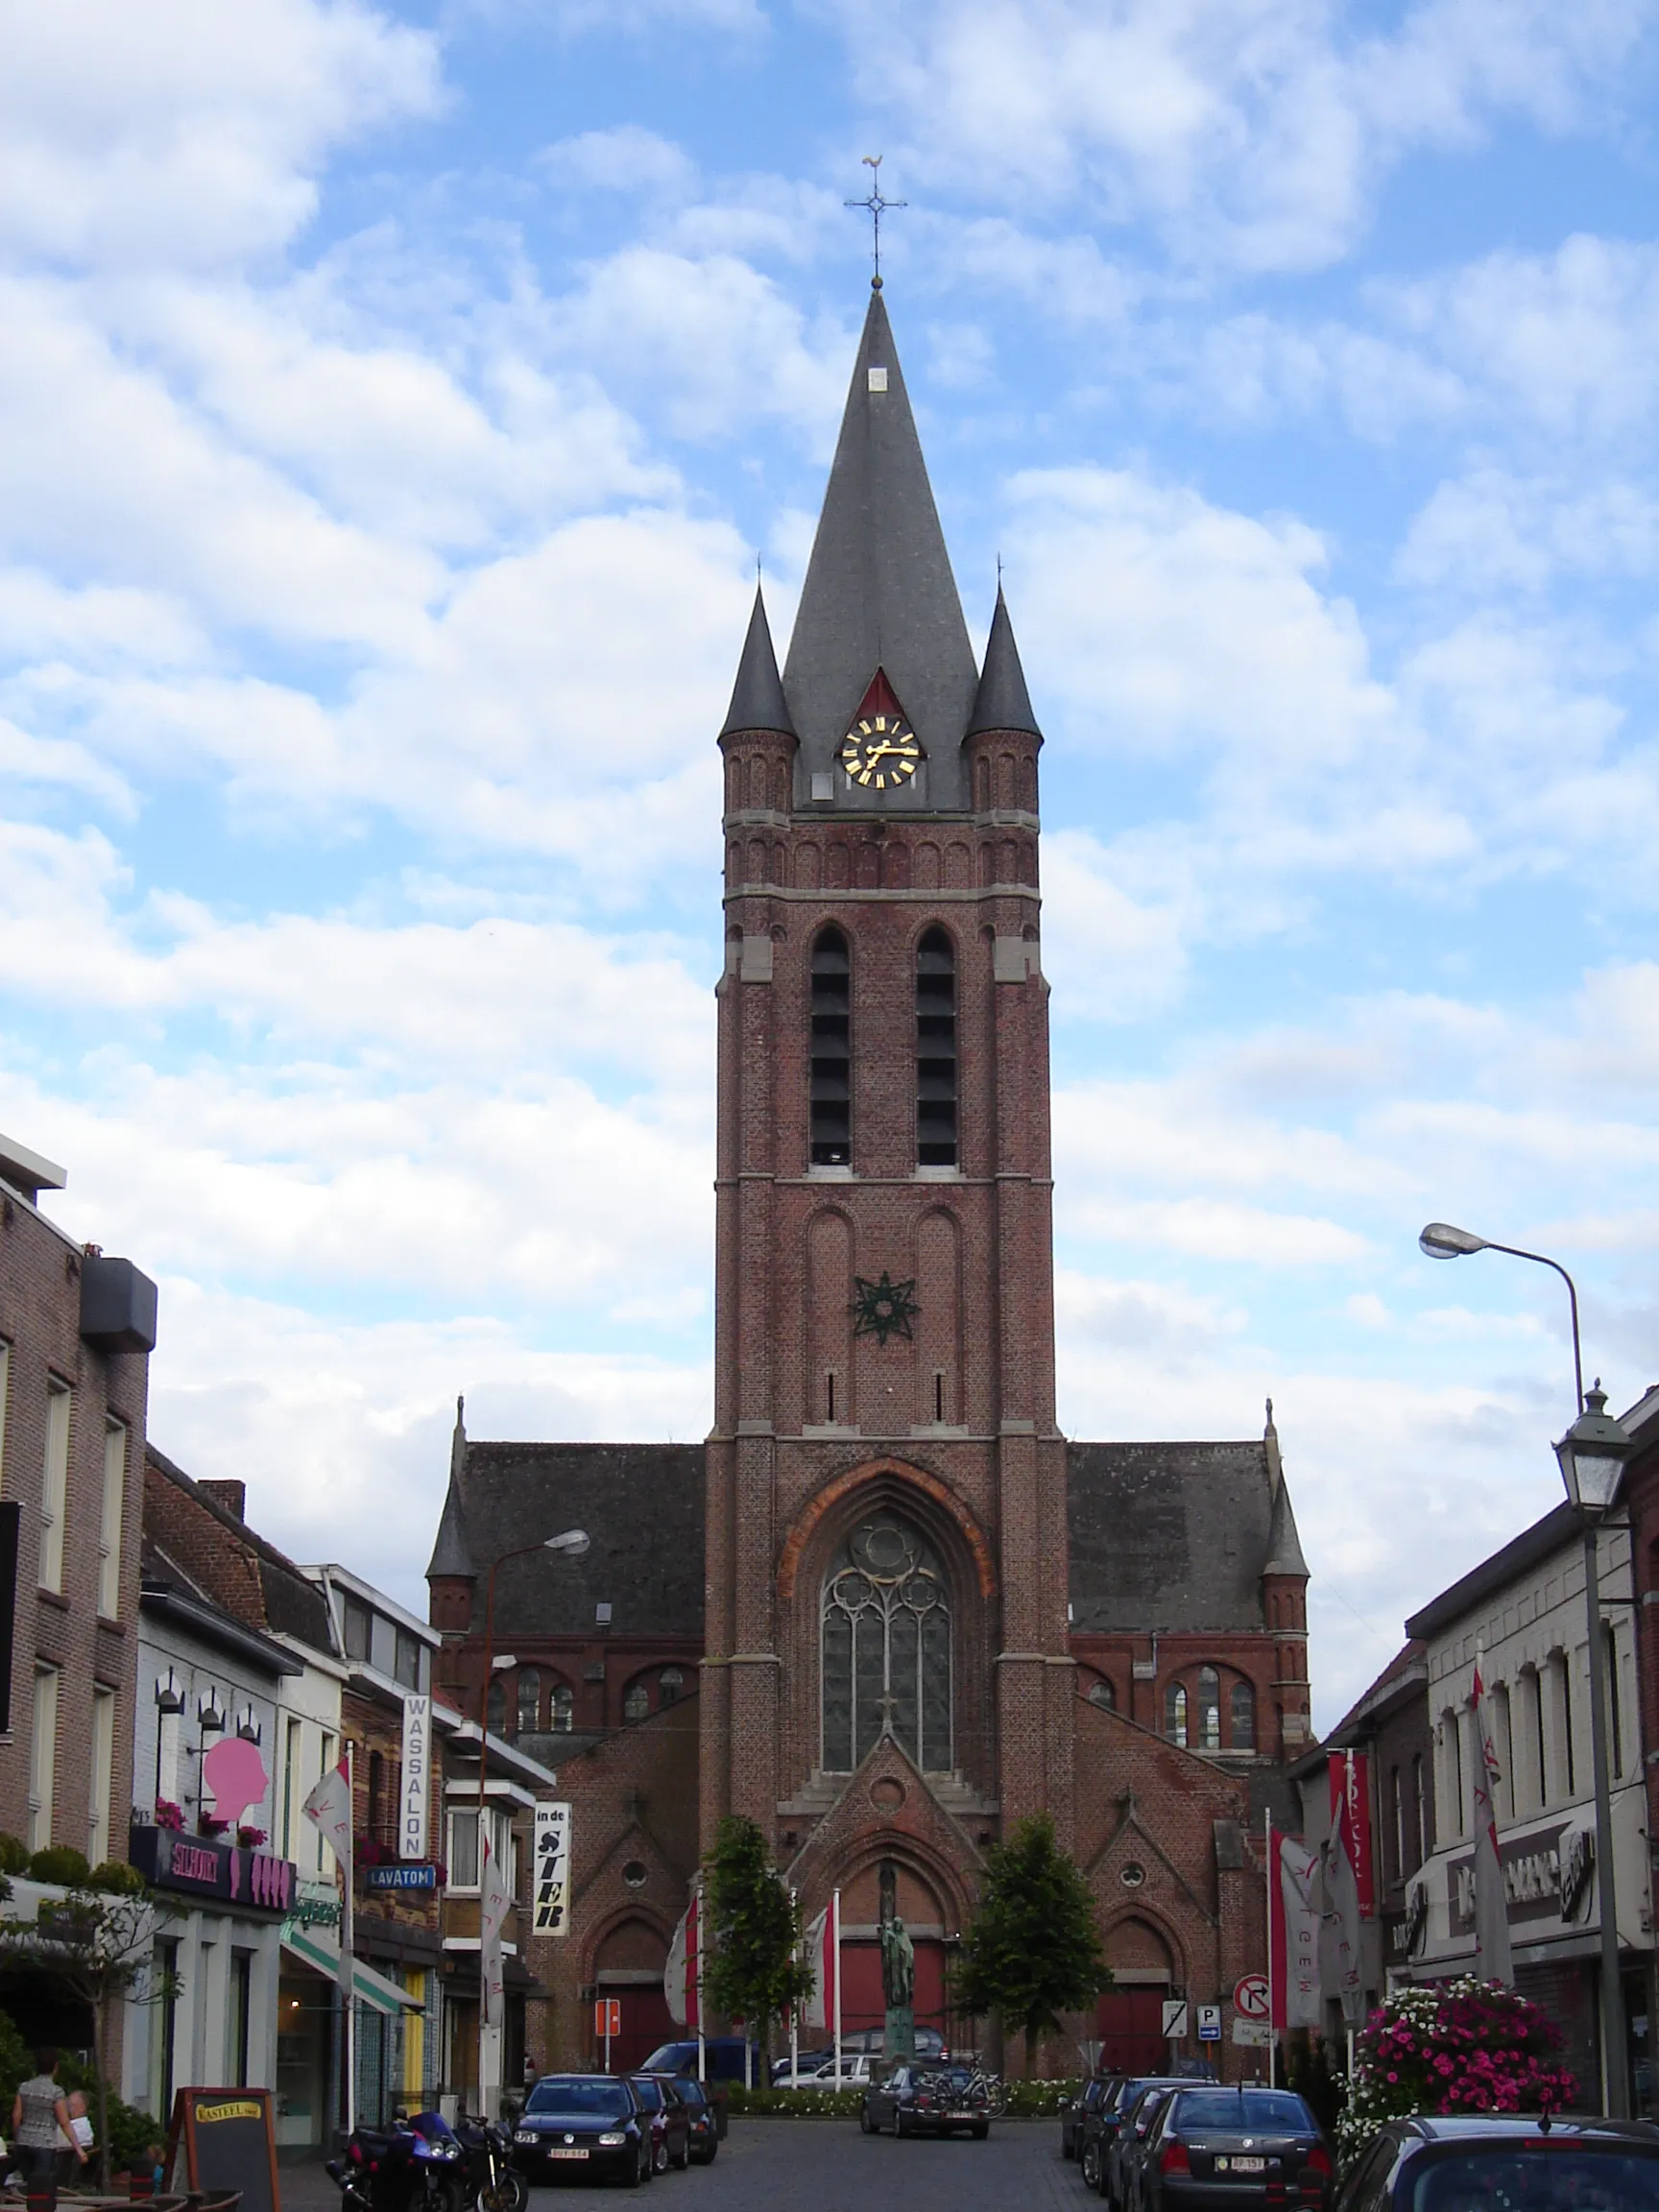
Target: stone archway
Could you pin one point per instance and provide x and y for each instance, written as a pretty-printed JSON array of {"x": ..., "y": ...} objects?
[
  {"x": 1129, "y": 2016},
  {"x": 628, "y": 1961}
]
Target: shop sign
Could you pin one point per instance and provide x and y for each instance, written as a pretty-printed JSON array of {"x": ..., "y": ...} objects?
[
  {"x": 203, "y": 1868},
  {"x": 402, "y": 1876},
  {"x": 316, "y": 1905},
  {"x": 1548, "y": 1875},
  {"x": 550, "y": 1873},
  {"x": 417, "y": 1784}
]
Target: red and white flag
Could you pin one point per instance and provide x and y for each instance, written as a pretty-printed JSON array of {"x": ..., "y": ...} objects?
[
  {"x": 1293, "y": 1905},
  {"x": 822, "y": 1943},
  {"x": 1493, "y": 1959},
  {"x": 1351, "y": 1818},
  {"x": 682, "y": 1976},
  {"x": 329, "y": 1809}
]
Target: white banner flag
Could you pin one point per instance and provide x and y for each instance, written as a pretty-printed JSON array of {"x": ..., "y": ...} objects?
[
  {"x": 1298, "y": 1887},
  {"x": 494, "y": 1904},
  {"x": 329, "y": 1809},
  {"x": 681, "y": 1975},
  {"x": 820, "y": 1947},
  {"x": 550, "y": 1861},
  {"x": 1493, "y": 1959},
  {"x": 417, "y": 1777}
]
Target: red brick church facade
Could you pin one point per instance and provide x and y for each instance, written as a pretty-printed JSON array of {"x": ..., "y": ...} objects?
[{"x": 899, "y": 1611}]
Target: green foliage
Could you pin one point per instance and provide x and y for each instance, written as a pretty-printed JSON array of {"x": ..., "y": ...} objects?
[
  {"x": 750, "y": 1971},
  {"x": 60, "y": 1863},
  {"x": 1039, "y": 2100},
  {"x": 1033, "y": 1951},
  {"x": 130, "y": 2132},
  {"x": 13, "y": 1855},
  {"x": 815, "y": 2103},
  {"x": 16, "y": 2062},
  {"x": 115, "y": 1878}
]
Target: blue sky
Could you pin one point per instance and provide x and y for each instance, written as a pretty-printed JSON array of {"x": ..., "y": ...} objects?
[{"x": 394, "y": 404}]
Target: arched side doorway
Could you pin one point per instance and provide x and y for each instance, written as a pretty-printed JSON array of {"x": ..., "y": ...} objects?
[
  {"x": 1129, "y": 2016},
  {"x": 627, "y": 1965}
]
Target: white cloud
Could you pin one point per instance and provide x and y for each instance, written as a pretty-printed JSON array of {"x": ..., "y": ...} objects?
[
  {"x": 624, "y": 159},
  {"x": 1490, "y": 532},
  {"x": 185, "y": 134}
]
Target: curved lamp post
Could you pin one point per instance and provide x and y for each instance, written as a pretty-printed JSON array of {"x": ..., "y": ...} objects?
[
  {"x": 571, "y": 1544},
  {"x": 1592, "y": 1457}
]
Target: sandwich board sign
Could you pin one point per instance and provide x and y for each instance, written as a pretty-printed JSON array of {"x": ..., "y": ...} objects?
[{"x": 222, "y": 2140}]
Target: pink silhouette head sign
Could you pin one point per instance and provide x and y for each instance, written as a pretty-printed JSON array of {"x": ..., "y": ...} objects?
[{"x": 235, "y": 1773}]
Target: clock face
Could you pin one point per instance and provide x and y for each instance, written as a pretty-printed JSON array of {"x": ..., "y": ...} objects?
[{"x": 880, "y": 752}]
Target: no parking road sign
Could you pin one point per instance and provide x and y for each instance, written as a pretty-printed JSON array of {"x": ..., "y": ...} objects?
[{"x": 1176, "y": 2019}]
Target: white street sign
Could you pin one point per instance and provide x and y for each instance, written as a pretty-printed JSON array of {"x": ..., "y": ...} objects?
[
  {"x": 1176, "y": 2012},
  {"x": 1209, "y": 2023},
  {"x": 1255, "y": 2032}
]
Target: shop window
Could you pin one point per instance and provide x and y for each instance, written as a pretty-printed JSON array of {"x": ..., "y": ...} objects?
[
  {"x": 1243, "y": 1717},
  {"x": 1175, "y": 1713}
]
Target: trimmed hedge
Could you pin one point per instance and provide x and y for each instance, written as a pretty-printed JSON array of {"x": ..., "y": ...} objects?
[{"x": 1026, "y": 2100}]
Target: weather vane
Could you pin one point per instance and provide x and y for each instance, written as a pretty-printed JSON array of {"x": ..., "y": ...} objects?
[{"x": 878, "y": 207}]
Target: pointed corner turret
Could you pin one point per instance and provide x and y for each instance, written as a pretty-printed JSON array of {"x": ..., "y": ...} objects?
[
  {"x": 1002, "y": 701},
  {"x": 1283, "y": 1544},
  {"x": 758, "y": 700},
  {"x": 452, "y": 1554}
]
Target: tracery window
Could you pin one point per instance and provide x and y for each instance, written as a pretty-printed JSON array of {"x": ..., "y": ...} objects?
[
  {"x": 935, "y": 1051},
  {"x": 1208, "y": 1710},
  {"x": 1176, "y": 1714},
  {"x": 562, "y": 1709},
  {"x": 886, "y": 1648},
  {"x": 832, "y": 1059}
]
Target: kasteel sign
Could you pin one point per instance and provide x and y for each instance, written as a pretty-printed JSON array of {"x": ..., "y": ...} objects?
[
  {"x": 1548, "y": 1875},
  {"x": 203, "y": 1868}
]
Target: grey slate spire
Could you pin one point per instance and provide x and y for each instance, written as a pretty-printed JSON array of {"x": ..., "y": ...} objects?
[
  {"x": 758, "y": 700},
  {"x": 1283, "y": 1544},
  {"x": 1002, "y": 701},
  {"x": 452, "y": 1554},
  {"x": 879, "y": 592}
]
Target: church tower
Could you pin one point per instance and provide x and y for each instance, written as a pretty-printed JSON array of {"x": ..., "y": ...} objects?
[{"x": 887, "y": 1676}]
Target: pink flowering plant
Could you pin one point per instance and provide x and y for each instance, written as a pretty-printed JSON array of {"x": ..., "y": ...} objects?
[{"x": 1463, "y": 2046}]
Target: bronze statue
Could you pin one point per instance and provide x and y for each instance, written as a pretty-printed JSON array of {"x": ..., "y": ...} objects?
[{"x": 897, "y": 1952}]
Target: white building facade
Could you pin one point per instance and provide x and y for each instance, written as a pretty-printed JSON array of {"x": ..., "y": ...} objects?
[{"x": 1523, "y": 1611}]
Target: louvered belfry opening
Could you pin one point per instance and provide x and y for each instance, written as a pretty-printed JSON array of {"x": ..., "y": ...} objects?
[
  {"x": 832, "y": 1081},
  {"x": 936, "y": 1051}
]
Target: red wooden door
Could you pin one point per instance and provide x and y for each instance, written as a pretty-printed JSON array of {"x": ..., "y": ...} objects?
[
  {"x": 863, "y": 2002},
  {"x": 1130, "y": 2026},
  {"x": 645, "y": 2024}
]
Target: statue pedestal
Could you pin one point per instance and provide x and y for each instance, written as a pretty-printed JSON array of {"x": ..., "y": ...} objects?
[{"x": 899, "y": 2038}]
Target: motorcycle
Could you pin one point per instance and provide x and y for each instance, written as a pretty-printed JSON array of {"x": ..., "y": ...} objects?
[
  {"x": 491, "y": 2181},
  {"x": 401, "y": 2169}
]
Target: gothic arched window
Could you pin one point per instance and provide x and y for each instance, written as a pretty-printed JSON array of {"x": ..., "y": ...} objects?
[
  {"x": 1175, "y": 1713},
  {"x": 886, "y": 1648},
  {"x": 1102, "y": 1694},
  {"x": 935, "y": 1051},
  {"x": 496, "y": 1708},
  {"x": 669, "y": 1684},
  {"x": 529, "y": 1701},
  {"x": 637, "y": 1700},
  {"x": 831, "y": 1076},
  {"x": 1243, "y": 1736},
  {"x": 562, "y": 1709},
  {"x": 1209, "y": 1709}
]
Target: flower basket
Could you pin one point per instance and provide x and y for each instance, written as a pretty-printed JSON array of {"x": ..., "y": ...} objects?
[
  {"x": 251, "y": 1838},
  {"x": 1463, "y": 2046},
  {"x": 169, "y": 1816}
]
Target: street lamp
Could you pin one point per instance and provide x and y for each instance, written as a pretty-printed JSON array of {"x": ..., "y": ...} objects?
[
  {"x": 571, "y": 1544},
  {"x": 1592, "y": 1457}
]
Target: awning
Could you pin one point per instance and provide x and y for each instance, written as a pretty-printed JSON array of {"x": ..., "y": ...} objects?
[{"x": 313, "y": 1948}]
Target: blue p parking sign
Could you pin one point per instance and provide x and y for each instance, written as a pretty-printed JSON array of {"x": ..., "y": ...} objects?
[{"x": 1209, "y": 2023}]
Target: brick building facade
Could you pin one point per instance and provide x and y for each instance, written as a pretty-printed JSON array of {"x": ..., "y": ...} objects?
[{"x": 901, "y": 1608}]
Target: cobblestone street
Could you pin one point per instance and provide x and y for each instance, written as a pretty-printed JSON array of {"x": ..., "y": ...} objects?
[{"x": 822, "y": 2166}]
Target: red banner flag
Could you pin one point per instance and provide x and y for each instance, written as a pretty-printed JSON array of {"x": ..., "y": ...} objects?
[{"x": 1351, "y": 1820}]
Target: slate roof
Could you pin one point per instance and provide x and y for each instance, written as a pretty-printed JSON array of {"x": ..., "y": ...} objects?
[
  {"x": 758, "y": 700},
  {"x": 1283, "y": 1544},
  {"x": 880, "y": 593},
  {"x": 1002, "y": 701},
  {"x": 1168, "y": 1536},
  {"x": 642, "y": 1506}
]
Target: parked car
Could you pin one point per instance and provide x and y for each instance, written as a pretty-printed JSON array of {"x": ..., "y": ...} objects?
[
  {"x": 1560, "y": 2164},
  {"x": 928, "y": 2100},
  {"x": 855, "y": 2070},
  {"x": 586, "y": 2124},
  {"x": 1120, "y": 2151},
  {"x": 722, "y": 2060},
  {"x": 1076, "y": 2109},
  {"x": 670, "y": 2126},
  {"x": 872, "y": 2043},
  {"x": 1212, "y": 2145},
  {"x": 702, "y": 2117}
]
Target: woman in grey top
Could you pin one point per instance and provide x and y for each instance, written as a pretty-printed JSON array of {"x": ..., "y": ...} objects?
[{"x": 41, "y": 2123}]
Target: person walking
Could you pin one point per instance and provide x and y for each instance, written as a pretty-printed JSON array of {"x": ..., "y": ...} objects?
[{"x": 40, "y": 2123}]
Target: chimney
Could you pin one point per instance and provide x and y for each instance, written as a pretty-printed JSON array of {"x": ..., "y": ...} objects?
[{"x": 229, "y": 1494}]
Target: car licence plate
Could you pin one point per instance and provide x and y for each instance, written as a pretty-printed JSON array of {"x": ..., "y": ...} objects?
[
  {"x": 564, "y": 2154},
  {"x": 1241, "y": 2165}
]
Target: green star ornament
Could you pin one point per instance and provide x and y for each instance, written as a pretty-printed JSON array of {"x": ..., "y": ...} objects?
[{"x": 884, "y": 1308}]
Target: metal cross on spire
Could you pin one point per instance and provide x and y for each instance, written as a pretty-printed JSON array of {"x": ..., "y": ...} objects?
[{"x": 878, "y": 207}]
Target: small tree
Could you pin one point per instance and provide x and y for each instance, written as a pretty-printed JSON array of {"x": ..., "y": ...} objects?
[
  {"x": 97, "y": 1945},
  {"x": 1032, "y": 1951},
  {"x": 751, "y": 1968}
]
